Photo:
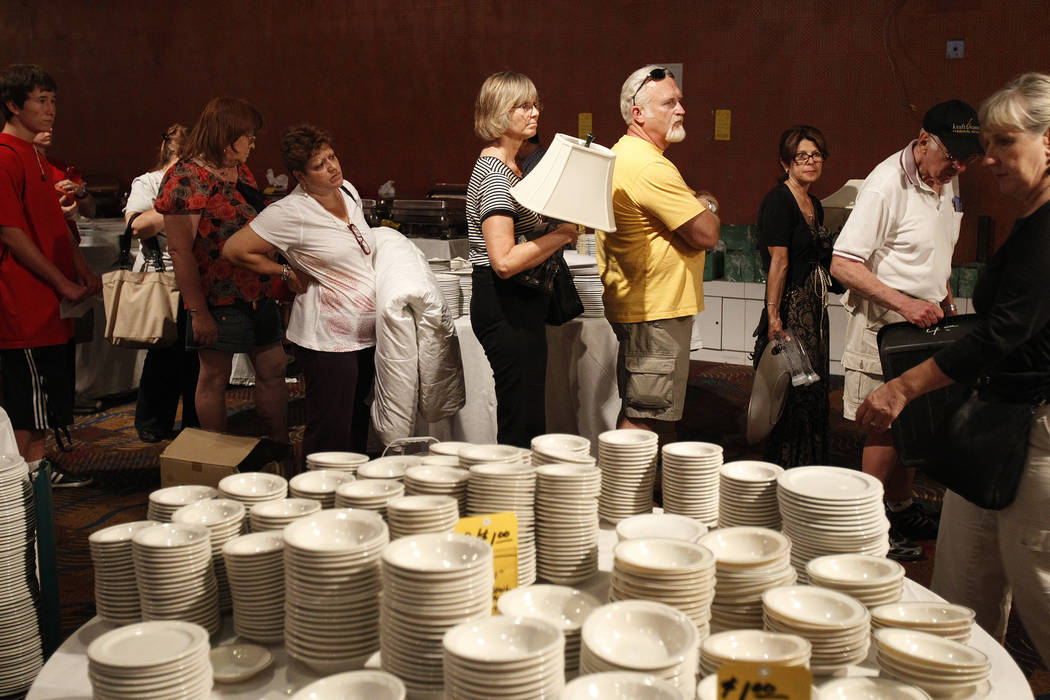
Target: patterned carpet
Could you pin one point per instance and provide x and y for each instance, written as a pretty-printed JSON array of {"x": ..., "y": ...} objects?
[{"x": 126, "y": 470}]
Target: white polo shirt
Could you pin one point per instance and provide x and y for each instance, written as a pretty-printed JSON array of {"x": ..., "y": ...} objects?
[
  {"x": 338, "y": 313},
  {"x": 902, "y": 230}
]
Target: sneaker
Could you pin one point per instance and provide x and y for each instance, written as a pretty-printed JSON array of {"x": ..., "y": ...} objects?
[
  {"x": 62, "y": 479},
  {"x": 914, "y": 522},
  {"x": 904, "y": 549}
]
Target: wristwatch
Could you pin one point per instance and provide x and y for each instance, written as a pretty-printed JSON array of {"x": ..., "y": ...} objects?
[
  {"x": 711, "y": 206},
  {"x": 286, "y": 272}
]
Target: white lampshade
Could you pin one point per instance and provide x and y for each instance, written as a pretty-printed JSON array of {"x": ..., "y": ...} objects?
[{"x": 572, "y": 182}]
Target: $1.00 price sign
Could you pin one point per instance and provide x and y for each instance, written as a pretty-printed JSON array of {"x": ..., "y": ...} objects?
[
  {"x": 739, "y": 680},
  {"x": 501, "y": 531}
]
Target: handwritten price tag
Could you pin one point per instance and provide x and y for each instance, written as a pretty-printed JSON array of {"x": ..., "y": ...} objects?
[
  {"x": 501, "y": 531},
  {"x": 740, "y": 680}
]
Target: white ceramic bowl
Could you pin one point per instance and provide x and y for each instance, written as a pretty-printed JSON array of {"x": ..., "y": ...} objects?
[
  {"x": 182, "y": 495},
  {"x": 620, "y": 685},
  {"x": 640, "y": 634},
  {"x": 338, "y": 530},
  {"x": 253, "y": 544},
  {"x": 428, "y": 474},
  {"x": 676, "y": 527},
  {"x": 285, "y": 508},
  {"x": 664, "y": 555},
  {"x": 371, "y": 488},
  {"x": 746, "y": 546},
  {"x": 336, "y": 459},
  {"x": 210, "y": 512},
  {"x": 444, "y": 553},
  {"x": 812, "y": 606},
  {"x": 490, "y": 453},
  {"x": 501, "y": 639},
  {"x": 319, "y": 481},
  {"x": 756, "y": 645},
  {"x": 561, "y": 605},
  {"x": 867, "y": 688},
  {"x": 253, "y": 485},
  {"x": 751, "y": 471},
  {"x": 561, "y": 441},
  {"x": 929, "y": 650},
  {"x": 855, "y": 569},
  {"x": 355, "y": 685},
  {"x": 926, "y": 614}
]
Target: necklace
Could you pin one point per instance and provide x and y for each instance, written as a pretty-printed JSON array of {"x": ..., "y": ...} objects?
[{"x": 43, "y": 175}]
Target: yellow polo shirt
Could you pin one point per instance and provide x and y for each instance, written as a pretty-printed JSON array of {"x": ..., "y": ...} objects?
[{"x": 647, "y": 271}]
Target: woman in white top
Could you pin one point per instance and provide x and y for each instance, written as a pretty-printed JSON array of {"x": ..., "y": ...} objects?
[
  {"x": 171, "y": 372},
  {"x": 320, "y": 229}
]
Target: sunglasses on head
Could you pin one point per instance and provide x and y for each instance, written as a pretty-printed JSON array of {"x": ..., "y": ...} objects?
[{"x": 655, "y": 75}]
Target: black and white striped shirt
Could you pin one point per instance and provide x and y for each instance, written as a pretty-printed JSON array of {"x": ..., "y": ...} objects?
[{"x": 488, "y": 193}]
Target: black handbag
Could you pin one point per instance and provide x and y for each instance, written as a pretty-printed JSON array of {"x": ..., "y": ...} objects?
[{"x": 565, "y": 303}]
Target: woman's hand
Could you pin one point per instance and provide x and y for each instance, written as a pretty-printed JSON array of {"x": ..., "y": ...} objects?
[
  {"x": 298, "y": 281},
  {"x": 205, "y": 331},
  {"x": 570, "y": 231},
  {"x": 882, "y": 406},
  {"x": 776, "y": 327}
]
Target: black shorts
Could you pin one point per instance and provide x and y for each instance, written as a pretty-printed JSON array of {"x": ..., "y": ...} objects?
[
  {"x": 38, "y": 386},
  {"x": 243, "y": 327}
]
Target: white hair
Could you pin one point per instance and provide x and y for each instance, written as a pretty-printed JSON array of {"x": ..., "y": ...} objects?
[
  {"x": 1024, "y": 104},
  {"x": 634, "y": 84}
]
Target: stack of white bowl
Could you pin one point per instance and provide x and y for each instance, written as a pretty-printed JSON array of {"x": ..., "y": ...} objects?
[
  {"x": 339, "y": 461},
  {"x": 589, "y": 287},
  {"x": 369, "y": 494},
  {"x": 750, "y": 561},
  {"x": 561, "y": 448},
  {"x": 567, "y": 522},
  {"x": 942, "y": 667},
  {"x": 871, "y": 580},
  {"x": 469, "y": 455},
  {"x": 253, "y": 487},
  {"x": 388, "y": 467},
  {"x": 748, "y": 494},
  {"x": 678, "y": 573},
  {"x": 448, "y": 448},
  {"x": 690, "y": 480},
  {"x": 355, "y": 685},
  {"x": 439, "y": 481},
  {"x": 255, "y": 568},
  {"x": 319, "y": 485},
  {"x": 332, "y": 588},
  {"x": 641, "y": 635},
  {"x": 943, "y": 619},
  {"x": 418, "y": 515},
  {"x": 274, "y": 515},
  {"x": 837, "y": 626},
  {"x": 116, "y": 593},
  {"x": 504, "y": 657},
  {"x": 869, "y": 688},
  {"x": 166, "y": 659},
  {"x": 675, "y": 527},
  {"x": 225, "y": 520},
  {"x": 566, "y": 608},
  {"x": 758, "y": 646},
  {"x": 173, "y": 569},
  {"x": 164, "y": 502},
  {"x": 620, "y": 685},
  {"x": 20, "y": 651},
  {"x": 436, "y": 460},
  {"x": 449, "y": 286},
  {"x": 497, "y": 488},
  {"x": 627, "y": 459},
  {"x": 466, "y": 291},
  {"x": 831, "y": 510},
  {"x": 431, "y": 583}
]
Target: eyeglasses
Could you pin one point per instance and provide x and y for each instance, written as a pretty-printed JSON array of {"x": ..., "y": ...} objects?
[
  {"x": 958, "y": 163},
  {"x": 655, "y": 75},
  {"x": 529, "y": 106},
  {"x": 360, "y": 239},
  {"x": 803, "y": 158},
  {"x": 250, "y": 137}
]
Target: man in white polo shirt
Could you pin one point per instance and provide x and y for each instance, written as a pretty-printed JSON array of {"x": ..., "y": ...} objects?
[{"x": 894, "y": 255}]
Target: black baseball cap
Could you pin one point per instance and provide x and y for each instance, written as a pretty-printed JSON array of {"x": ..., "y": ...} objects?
[{"x": 955, "y": 123}]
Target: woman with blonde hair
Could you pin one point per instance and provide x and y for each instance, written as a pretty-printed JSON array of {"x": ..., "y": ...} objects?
[{"x": 509, "y": 245}]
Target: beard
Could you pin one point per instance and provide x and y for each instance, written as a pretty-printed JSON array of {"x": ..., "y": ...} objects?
[{"x": 675, "y": 133}]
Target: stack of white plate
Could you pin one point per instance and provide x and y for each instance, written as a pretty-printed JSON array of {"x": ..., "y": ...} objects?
[
  {"x": 748, "y": 494},
  {"x": 590, "y": 289},
  {"x": 675, "y": 527},
  {"x": 388, "y": 467},
  {"x": 255, "y": 568},
  {"x": 116, "y": 593},
  {"x": 439, "y": 265},
  {"x": 449, "y": 286},
  {"x": 590, "y": 244},
  {"x": 332, "y": 588},
  {"x": 677, "y": 573},
  {"x": 943, "y": 619},
  {"x": 836, "y": 625},
  {"x": 758, "y": 646},
  {"x": 627, "y": 459},
  {"x": 565, "y": 608},
  {"x": 449, "y": 448},
  {"x": 369, "y": 494},
  {"x": 175, "y": 576},
  {"x": 438, "y": 481},
  {"x": 164, "y": 502},
  {"x": 274, "y": 515},
  {"x": 431, "y": 583},
  {"x": 319, "y": 485},
  {"x": 690, "y": 480},
  {"x": 355, "y": 685},
  {"x": 434, "y": 460},
  {"x": 466, "y": 290},
  {"x": 497, "y": 488},
  {"x": 869, "y": 688},
  {"x": 20, "y": 651},
  {"x": 253, "y": 487},
  {"x": 831, "y": 510},
  {"x": 871, "y": 580},
  {"x": 339, "y": 461},
  {"x": 567, "y": 522},
  {"x": 620, "y": 685},
  {"x": 750, "y": 560},
  {"x": 504, "y": 657},
  {"x": 641, "y": 635},
  {"x": 942, "y": 667},
  {"x": 561, "y": 448},
  {"x": 417, "y": 515},
  {"x": 224, "y": 519},
  {"x": 151, "y": 660}
]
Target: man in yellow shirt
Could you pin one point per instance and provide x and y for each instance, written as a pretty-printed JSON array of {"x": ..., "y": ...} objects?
[{"x": 652, "y": 266}]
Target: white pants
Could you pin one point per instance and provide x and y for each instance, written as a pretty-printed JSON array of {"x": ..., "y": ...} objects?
[{"x": 986, "y": 558}]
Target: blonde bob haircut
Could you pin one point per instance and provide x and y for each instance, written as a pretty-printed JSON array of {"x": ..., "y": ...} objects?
[
  {"x": 499, "y": 95},
  {"x": 1023, "y": 104}
]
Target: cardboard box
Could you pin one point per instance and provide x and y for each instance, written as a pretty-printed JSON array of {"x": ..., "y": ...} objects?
[{"x": 202, "y": 457}]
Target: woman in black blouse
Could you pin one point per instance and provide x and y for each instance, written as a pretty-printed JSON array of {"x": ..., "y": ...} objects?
[
  {"x": 796, "y": 250},
  {"x": 985, "y": 555}
]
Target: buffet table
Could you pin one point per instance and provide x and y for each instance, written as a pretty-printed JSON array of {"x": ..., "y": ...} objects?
[{"x": 65, "y": 676}]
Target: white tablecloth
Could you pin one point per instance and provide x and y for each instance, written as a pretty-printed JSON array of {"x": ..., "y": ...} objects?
[{"x": 441, "y": 249}]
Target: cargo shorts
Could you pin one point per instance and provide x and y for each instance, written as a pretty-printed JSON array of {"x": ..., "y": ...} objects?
[{"x": 652, "y": 367}]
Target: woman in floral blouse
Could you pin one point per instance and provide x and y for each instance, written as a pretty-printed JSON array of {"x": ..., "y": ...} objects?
[{"x": 205, "y": 198}]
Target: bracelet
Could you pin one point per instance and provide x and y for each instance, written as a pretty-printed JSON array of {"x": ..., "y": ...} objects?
[
  {"x": 769, "y": 303},
  {"x": 951, "y": 307},
  {"x": 286, "y": 272}
]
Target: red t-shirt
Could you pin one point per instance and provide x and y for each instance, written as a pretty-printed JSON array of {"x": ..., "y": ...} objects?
[{"x": 28, "y": 305}]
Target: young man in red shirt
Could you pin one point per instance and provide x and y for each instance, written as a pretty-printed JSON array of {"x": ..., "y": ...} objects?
[{"x": 40, "y": 265}]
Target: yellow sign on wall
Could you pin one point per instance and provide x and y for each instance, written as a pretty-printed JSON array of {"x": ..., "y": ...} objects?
[
  {"x": 584, "y": 124},
  {"x": 723, "y": 121},
  {"x": 501, "y": 531}
]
